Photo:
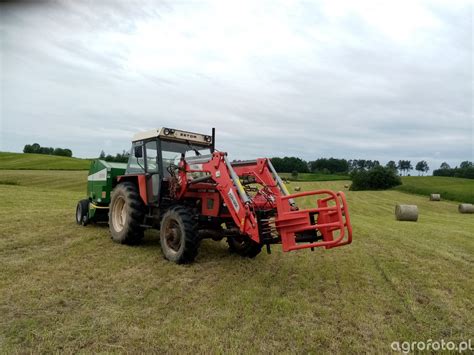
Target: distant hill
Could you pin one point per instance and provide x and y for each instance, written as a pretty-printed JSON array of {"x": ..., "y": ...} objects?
[
  {"x": 450, "y": 188},
  {"x": 23, "y": 161}
]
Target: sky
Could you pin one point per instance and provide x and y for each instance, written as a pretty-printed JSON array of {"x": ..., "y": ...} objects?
[{"x": 383, "y": 80}]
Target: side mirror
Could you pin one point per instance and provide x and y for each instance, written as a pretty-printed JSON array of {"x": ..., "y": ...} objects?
[{"x": 138, "y": 151}]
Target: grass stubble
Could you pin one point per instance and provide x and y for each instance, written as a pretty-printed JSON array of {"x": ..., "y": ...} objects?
[{"x": 69, "y": 288}]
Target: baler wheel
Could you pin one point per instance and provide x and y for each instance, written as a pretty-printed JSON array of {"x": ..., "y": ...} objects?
[
  {"x": 244, "y": 246},
  {"x": 126, "y": 214},
  {"x": 179, "y": 236},
  {"x": 82, "y": 212}
]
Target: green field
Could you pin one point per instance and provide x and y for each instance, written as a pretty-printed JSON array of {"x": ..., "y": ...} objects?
[
  {"x": 41, "y": 162},
  {"x": 67, "y": 288},
  {"x": 455, "y": 189},
  {"x": 46, "y": 179},
  {"x": 314, "y": 177}
]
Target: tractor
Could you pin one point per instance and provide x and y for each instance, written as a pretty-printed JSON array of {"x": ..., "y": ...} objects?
[{"x": 179, "y": 183}]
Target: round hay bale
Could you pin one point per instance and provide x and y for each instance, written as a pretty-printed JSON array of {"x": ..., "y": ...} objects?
[
  {"x": 435, "y": 197},
  {"x": 466, "y": 208},
  {"x": 297, "y": 188},
  {"x": 406, "y": 213},
  {"x": 346, "y": 186}
]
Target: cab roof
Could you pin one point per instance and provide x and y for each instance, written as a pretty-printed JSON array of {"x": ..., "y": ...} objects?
[{"x": 174, "y": 135}]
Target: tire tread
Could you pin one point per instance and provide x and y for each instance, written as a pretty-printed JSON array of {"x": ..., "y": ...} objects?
[{"x": 136, "y": 212}]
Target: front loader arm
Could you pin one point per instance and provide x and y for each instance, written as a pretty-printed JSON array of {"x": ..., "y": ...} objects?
[
  {"x": 329, "y": 222},
  {"x": 231, "y": 191},
  {"x": 272, "y": 210}
]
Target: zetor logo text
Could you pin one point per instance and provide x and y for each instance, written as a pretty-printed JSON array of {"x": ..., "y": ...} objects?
[
  {"x": 187, "y": 135},
  {"x": 431, "y": 345}
]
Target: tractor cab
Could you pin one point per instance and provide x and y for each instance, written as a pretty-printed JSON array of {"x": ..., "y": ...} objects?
[{"x": 156, "y": 153}]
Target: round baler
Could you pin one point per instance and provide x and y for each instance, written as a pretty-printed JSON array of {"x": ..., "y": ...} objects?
[{"x": 100, "y": 183}]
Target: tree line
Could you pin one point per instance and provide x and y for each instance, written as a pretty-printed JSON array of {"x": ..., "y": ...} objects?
[
  {"x": 290, "y": 164},
  {"x": 117, "y": 158},
  {"x": 35, "y": 148},
  {"x": 465, "y": 170},
  {"x": 343, "y": 166}
]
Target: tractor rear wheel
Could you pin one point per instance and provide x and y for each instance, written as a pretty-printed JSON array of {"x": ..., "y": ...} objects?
[
  {"x": 179, "y": 235},
  {"x": 126, "y": 214},
  {"x": 82, "y": 212},
  {"x": 244, "y": 246}
]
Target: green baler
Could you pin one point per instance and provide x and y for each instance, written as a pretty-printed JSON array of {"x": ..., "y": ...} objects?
[{"x": 100, "y": 183}]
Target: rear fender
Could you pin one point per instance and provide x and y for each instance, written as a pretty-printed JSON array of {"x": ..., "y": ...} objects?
[{"x": 140, "y": 181}]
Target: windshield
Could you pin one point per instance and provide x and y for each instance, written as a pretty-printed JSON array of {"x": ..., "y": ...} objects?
[{"x": 171, "y": 153}]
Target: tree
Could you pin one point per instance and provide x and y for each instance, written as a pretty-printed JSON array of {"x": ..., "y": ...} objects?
[
  {"x": 401, "y": 166},
  {"x": 288, "y": 164},
  {"x": 377, "y": 178},
  {"x": 122, "y": 158},
  {"x": 46, "y": 150},
  {"x": 404, "y": 166},
  {"x": 466, "y": 164},
  {"x": 35, "y": 148},
  {"x": 332, "y": 165},
  {"x": 444, "y": 165},
  {"x": 422, "y": 167},
  {"x": 391, "y": 165},
  {"x": 28, "y": 149},
  {"x": 361, "y": 164},
  {"x": 118, "y": 158},
  {"x": 427, "y": 168},
  {"x": 465, "y": 170}
]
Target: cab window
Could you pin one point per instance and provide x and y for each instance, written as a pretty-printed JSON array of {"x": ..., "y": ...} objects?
[
  {"x": 171, "y": 153},
  {"x": 136, "y": 165},
  {"x": 151, "y": 156}
]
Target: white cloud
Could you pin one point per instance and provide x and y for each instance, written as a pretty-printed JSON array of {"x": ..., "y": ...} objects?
[{"x": 384, "y": 80}]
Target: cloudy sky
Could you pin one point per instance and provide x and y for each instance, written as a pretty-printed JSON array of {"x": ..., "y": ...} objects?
[{"x": 348, "y": 79}]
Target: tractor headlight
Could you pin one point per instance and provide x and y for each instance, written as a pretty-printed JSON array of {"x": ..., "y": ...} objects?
[
  {"x": 207, "y": 139},
  {"x": 166, "y": 131}
]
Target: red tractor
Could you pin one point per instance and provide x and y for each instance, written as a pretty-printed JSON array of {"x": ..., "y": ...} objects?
[{"x": 177, "y": 182}]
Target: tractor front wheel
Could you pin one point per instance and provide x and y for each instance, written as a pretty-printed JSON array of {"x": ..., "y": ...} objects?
[
  {"x": 179, "y": 236},
  {"x": 126, "y": 214},
  {"x": 82, "y": 212}
]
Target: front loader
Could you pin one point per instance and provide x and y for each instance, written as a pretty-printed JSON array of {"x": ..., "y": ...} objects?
[{"x": 177, "y": 182}]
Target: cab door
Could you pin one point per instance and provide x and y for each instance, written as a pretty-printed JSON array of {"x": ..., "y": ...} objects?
[{"x": 153, "y": 176}]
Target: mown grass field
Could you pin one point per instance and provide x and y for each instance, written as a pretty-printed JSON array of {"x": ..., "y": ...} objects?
[
  {"x": 66, "y": 288},
  {"x": 314, "y": 177},
  {"x": 41, "y": 162},
  {"x": 455, "y": 189}
]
